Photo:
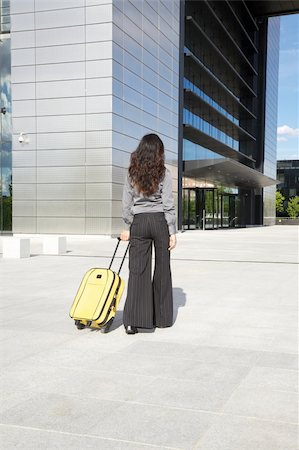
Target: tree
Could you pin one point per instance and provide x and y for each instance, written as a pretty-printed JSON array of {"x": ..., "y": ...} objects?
[
  {"x": 293, "y": 207},
  {"x": 279, "y": 202}
]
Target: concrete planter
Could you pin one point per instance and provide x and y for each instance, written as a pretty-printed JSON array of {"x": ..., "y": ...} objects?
[{"x": 287, "y": 221}]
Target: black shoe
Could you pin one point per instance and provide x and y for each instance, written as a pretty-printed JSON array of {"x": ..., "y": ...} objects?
[{"x": 131, "y": 330}]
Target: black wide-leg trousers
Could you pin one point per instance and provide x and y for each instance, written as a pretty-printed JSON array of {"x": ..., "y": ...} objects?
[{"x": 149, "y": 302}]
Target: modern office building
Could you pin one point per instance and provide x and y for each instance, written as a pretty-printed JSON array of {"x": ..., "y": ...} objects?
[
  {"x": 83, "y": 80},
  {"x": 288, "y": 175}
]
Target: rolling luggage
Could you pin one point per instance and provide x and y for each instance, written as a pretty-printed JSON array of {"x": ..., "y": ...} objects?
[{"x": 98, "y": 297}]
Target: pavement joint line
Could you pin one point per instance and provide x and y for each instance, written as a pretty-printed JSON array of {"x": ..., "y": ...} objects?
[
  {"x": 172, "y": 259},
  {"x": 206, "y": 411},
  {"x": 254, "y": 418},
  {"x": 93, "y": 436}
]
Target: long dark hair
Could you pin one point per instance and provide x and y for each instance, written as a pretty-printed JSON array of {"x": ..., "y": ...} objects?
[{"x": 147, "y": 167}]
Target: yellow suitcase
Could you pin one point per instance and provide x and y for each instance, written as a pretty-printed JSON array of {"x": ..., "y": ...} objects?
[{"x": 98, "y": 297}]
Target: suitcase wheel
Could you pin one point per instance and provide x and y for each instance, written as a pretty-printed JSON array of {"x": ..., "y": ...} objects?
[
  {"x": 79, "y": 325},
  {"x": 108, "y": 325}
]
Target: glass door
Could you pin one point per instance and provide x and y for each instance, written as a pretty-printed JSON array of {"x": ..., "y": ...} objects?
[
  {"x": 200, "y": 208},
  {"x": 228, "y": 210}
]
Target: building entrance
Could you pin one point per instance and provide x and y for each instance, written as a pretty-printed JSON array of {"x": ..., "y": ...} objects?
[{"x": 207, "y": 208}]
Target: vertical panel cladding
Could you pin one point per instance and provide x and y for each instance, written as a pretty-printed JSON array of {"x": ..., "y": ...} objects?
[
  {"x": 270, "y": 142},
  {"x": 145, "y": 95},
  {"x": 62, "y": 99},
  {"x": 76, "y": 56},
  {"x": 23, "y": 78}
]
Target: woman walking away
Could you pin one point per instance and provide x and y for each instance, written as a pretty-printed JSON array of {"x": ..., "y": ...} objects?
[{"x": 149, "y": 216}]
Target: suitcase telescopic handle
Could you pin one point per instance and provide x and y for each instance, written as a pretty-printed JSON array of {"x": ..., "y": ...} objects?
[{"x": 116, "y": 248}]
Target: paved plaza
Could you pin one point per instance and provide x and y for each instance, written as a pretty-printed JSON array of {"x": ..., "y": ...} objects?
[{"x": 222, "y": 378}]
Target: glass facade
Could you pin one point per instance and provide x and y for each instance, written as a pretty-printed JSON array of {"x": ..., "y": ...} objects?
[
  {"x": 270, "y": 144},
  {"x": 223, "y": 114},
  {"x": 5, "y": 121},
  {"x": 192, "y": 151},
  {"x": 288, "y": 174}
]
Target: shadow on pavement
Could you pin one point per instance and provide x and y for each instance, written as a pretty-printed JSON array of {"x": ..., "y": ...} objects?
[{"x": 179, "y": 300}]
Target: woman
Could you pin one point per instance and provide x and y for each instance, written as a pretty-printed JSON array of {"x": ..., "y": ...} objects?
[{"x": 149, "y": 216}]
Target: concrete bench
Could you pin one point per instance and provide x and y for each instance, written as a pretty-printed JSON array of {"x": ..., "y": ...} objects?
[
  {"x": 14, "y": 247},
  {"x": 54, "y": 245}
]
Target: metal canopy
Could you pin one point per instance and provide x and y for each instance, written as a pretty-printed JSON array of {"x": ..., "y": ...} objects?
[
  {"x": 227, "y": 172},
  {"x": 273, "y": 7}
]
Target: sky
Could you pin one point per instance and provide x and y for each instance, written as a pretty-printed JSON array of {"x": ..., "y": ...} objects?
[{"x": 288, "y": 89}]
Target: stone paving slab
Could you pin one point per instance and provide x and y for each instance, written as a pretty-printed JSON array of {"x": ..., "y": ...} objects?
[{"x": 224, "y": 377}]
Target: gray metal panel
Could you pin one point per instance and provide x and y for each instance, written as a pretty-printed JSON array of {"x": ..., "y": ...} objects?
[
  {"x": 99, "y": 68},
  {"x": 65, "y": 225},
  {"x": 56, "y": 89},
  {"x": 24, "y": 175},
  {"x": 57, "y": 123},
  {"x": 117, "y": 208},
  {"x": 70, "y": 157},
  {"x": 23, "y": 208},
  {"x": 98, "y": 121},
  {"x": 99, "y": 14},
  {"x": 95, "y": 139},
  {"x": 63, "y": 53},
  {"x": 61, "y": 71},
  {"x": 120, "y": 158},
  {"x": 23, "y": 124},
  {"x": 24, "y": 225},
  {"x": 61, "y": 174},
  {"x": 98, "y": 225},
  {"x": 24, "y": 158},
  {"x": 22, "y": 91},
  {"x": 22, "y": 39},
  {"x": 53, "y": 107},
  {"x": 42, "y": 5},
  {"x": 22, "y": 57},
  {"x": 99, "y": 86},
  {"x": 97, "y": 2},
  {"x": 54, "y": 19},
  {"x": 118, "y": 124},
  {"x": 22, "y": 108},
  {"x": 59, "y": 208},
  {"x": 123, "y": 142},
  {"x": 24, "y": 191},
  {"x": 118, "y": 174},
  {"x": 117, "y": 191},
  {"x": 22, "y": 74},
  {"x": 98, "y": 174},
  {"x": 98, "y": 33},
  {"x": 21, "y": 6},
  {"x": 96, "y": 208},
  {"x": 99, "y": 104},
  {"x": 99, "y": 50},
  {"x": 61, "y": 36},
  {"x": 22, "y": 22},
  {"x": 98, "y": 191},
  {"x": 98, "y": 156},
  {"x": 117, "y": 226},
  {"x": 48, "y": 141},
  {"x": 66, "y": 191}
]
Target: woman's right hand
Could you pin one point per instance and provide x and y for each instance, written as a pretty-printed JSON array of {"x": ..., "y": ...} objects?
[
  {"x": 172, "y": 241},
  {"x": 125, "y": 235}
]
